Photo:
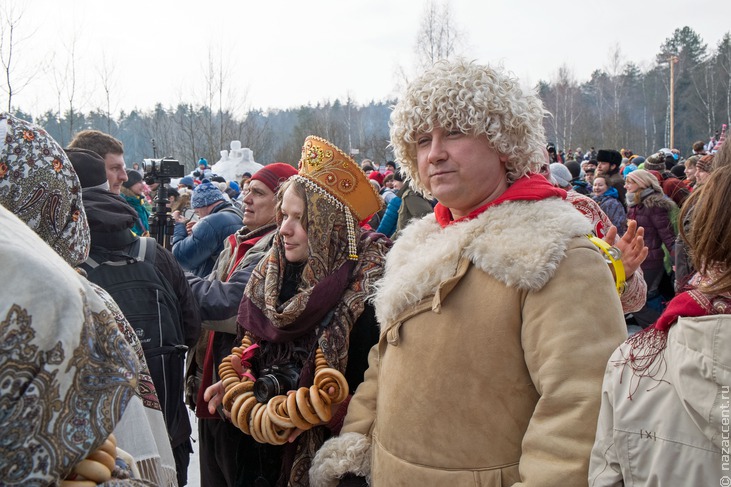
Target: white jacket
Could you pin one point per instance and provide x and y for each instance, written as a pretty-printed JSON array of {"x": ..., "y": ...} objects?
[{"x": 674, "y": 431}]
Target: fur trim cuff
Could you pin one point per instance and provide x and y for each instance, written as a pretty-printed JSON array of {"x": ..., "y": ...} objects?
[{"x": 347, "y": 453}]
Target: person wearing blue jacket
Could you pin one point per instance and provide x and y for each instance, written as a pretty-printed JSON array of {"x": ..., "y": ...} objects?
[
  {"x": 608, "y": 199},
  {"x": 196, "y": 245}
]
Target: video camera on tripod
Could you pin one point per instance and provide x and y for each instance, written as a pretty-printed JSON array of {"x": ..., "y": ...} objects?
[{"x": 160, "y": 172}]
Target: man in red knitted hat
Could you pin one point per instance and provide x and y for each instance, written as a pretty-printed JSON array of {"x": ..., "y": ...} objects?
[{"x": 219, "y": 296}]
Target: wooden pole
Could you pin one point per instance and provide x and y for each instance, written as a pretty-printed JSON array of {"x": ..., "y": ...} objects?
[{"x": 673, "y": 60}]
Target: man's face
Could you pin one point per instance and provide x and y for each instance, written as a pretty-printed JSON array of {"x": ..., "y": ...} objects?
[
  {"x": 603, "y": 167},
  {"x": 260, "y": 205},
  {"x": 204, "y": 211},
  {"x": 462, "y": 171},
  {"x": 116, "y": 171},
  {"x": 701, "y": 176}
]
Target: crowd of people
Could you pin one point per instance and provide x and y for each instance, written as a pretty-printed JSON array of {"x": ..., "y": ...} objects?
[{"x": 486, "y": 309}]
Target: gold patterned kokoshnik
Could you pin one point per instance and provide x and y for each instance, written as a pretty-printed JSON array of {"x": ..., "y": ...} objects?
[{"x": 340, "y": 176}]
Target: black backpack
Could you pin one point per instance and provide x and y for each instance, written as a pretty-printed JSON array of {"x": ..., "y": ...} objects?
[{"x": 151, "y": 306}]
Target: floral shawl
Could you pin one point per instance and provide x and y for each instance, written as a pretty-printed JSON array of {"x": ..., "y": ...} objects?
[
  {"x": 66, "y": 371},
  {"x": 352, "y": 284}
]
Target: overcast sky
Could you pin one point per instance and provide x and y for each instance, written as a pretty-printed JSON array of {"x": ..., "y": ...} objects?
[{"x": 287, "y": 53}]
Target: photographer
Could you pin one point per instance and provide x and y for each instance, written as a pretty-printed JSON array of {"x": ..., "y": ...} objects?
[{"x": 196, "y": 245}]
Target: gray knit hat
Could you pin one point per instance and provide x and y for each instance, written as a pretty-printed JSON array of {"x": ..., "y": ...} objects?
[
  {"x": 560, "y": 174},
  {"x": 206, "y": 194}
]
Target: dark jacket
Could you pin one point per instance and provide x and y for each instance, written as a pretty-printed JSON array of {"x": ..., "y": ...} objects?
[
  {"x": 413, "y": 206},
  {"x": 110, "y": 222},
  {"x": 684, "y": 268},
  {"x": 198, "y": 251},
  {"x": 610, "y": 204},
  {"x": 617, "y": 182},
  {"x": 653, "y": 214}
]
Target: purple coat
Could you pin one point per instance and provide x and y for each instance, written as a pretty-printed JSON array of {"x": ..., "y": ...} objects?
[{"x": 653, "y": 214}]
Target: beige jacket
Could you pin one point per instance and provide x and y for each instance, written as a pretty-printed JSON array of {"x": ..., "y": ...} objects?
[{"x": 493, "y": 345}]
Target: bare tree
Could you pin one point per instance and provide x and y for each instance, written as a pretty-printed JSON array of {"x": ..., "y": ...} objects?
[
  {"x": 16, "y": 78},
  {"x": 108, "y": 83},
  {"x": 438, "y": 36}
]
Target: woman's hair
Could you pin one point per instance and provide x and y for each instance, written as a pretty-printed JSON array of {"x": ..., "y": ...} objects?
[
  {"x": 691, "y": 161},
  {"x": 299, "y": 190},
  {"x": 476, "y": 100},
  {"x": 644, "y": 179},
  {"x": 723, "y": 157},
  {"x": 709, "y": 238}
]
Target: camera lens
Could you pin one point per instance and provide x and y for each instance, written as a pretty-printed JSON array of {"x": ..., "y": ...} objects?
[
  {"x": 276, "y": 381},
  {"x": 267, "y": 387}
]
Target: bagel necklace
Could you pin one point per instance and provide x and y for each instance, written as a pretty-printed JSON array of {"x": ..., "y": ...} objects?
[{"x": 274, "y": 421}]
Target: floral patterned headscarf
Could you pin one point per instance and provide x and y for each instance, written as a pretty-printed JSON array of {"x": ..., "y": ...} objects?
[{"x": 39, "y": 185}]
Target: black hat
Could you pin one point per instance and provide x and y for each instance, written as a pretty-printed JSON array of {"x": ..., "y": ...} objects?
[
  {"x": 678, "y": 171},
  {"x": 89, "y": 166},
  {"x": 574, "y": 168},
  {"x": 609, "y": 155},
  {"x": 133, "y": 177}
]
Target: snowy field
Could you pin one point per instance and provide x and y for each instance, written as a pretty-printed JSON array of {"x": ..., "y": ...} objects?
[{"x": 194, "y": 472}]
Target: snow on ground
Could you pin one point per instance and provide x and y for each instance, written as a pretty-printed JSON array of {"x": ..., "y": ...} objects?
[{"x": 194, "y": 471}]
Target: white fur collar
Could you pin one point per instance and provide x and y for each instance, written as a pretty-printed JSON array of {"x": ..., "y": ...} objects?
[{"x": 519, "y": 243}]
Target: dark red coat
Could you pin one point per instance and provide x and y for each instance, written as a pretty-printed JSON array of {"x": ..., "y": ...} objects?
[{"x": 653, "y": 213}]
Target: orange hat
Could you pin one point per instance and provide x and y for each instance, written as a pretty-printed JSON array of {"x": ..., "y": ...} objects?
[{"x": 340, "y": 176}]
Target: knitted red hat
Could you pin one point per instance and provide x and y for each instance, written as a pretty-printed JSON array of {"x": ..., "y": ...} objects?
[
  {"x": 274, "y": 174},
  {"x": 377, "y": 176}
]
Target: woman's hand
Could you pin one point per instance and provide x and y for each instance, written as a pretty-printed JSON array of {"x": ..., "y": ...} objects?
[
  {"x": 214, "y": 397},
  {"x": 632, "y": 246}
]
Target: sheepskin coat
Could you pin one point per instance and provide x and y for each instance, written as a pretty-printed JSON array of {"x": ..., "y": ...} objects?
[{"x": 491, "y": 355}]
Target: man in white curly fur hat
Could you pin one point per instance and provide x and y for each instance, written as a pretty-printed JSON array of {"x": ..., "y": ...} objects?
[{"x": 488, "y": 372}]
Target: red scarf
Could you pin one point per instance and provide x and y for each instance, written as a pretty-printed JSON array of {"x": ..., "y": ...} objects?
[
  {"x": 533, "y": 187},
  {"x": 691, "y": 304}
]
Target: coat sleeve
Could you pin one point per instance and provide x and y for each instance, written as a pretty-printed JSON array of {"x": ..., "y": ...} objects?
[
  {"x": 390, "y": 218},
  {"x": 661, "y": 221},
  {"x": 635, "y": 292},
  {"x": 566, "y": 347},
  {"x": 219, "y": 301},
  {"x": 188, "y": 304},
  {"x": 362, "y": 407},
  {"x": 196, "y": 248},
  {"x": 350, "y": 452},
  {"x": 604, "y": 467}
]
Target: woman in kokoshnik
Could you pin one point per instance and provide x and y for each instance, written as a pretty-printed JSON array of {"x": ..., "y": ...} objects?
[{"x": 305, "y": 311}]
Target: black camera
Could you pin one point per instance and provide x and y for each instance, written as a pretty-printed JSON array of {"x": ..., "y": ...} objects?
[
  {"x": 163, "y": 168},
  {"x": 276, "y": 380}
]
